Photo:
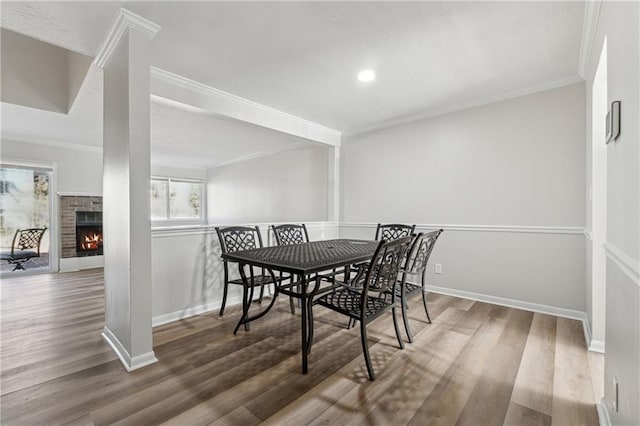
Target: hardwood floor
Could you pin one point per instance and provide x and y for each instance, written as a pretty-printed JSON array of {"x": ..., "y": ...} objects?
[{"x": 476, "y": 364}]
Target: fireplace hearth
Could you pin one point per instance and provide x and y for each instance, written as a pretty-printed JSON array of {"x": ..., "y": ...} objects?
[{"x": 89, "y": 233}]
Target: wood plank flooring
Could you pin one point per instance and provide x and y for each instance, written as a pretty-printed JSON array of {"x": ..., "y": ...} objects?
[{"x": 476, "y": 364}]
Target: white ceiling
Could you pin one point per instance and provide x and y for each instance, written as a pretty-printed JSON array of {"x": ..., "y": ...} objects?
[
  {"x": 303, "y": 57},
  {"x": 180, "y": 136}
]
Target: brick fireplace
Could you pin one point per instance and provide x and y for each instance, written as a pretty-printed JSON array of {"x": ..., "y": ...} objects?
[{"x": 80, "y": 226}]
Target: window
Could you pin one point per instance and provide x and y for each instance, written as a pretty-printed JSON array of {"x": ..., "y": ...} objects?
[
  {"x": 25, "y": 202},
  {"x": 176, "y": 199}
]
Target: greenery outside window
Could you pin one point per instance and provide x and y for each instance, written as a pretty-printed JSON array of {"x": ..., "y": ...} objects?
[{"x": 177, "y": 200}]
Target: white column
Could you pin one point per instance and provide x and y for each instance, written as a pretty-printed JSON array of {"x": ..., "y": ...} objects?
[
  {"x": 333, "y": 182},
  {"x": 125, "y": 58}
]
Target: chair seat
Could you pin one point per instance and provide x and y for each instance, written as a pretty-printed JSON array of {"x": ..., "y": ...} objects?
[
  {"x": 409, "y": 288},
  {"x": 347, "y": 302},
  {"x": 18, "y": 255},
  {"x": 258, "y": 280}
]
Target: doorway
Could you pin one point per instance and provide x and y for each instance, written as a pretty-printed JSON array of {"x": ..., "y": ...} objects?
[{"x": 26, "y": 219}]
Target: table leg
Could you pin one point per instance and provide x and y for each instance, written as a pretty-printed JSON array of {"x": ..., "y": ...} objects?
[
  {"x": 313, "y": 292},
  {"x": 304, "y": 319},
  {"x": 245, "y": 296}
]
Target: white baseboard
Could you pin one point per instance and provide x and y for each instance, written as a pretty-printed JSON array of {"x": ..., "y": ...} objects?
[
  {"x": 603, "y": 413},
  {"x": 129, "y": 363},
  {"x": 527, "y": 306},
  {"x": 596, "y": 346},
  {"x": 592, "y": 344},
  {"x": 72, "y": 264},
  {"x": 192, "y": 311}
]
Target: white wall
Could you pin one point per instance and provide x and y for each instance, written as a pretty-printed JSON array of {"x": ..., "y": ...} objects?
[
  {"x": 78, "y": 170},
  {"x": 517, "y": 164},
  {"x": 287, "y": 186},
  {"x": 619, "y": 22},
  {"x": 40, "y": 75}
]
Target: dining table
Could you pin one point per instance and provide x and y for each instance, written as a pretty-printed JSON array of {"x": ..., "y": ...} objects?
[{"x": 305, "y": 263}]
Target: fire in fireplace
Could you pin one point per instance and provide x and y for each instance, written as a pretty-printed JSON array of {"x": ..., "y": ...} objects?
[{"x": 89, "y": 233}]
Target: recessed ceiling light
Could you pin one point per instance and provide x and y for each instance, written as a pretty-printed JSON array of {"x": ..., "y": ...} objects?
[{"x": 366, "y": 75}]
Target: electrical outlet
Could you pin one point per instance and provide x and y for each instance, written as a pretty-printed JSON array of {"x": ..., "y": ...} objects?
[
  {"x": 438, "y": 268},
  {"x": 616, "y": 394}
]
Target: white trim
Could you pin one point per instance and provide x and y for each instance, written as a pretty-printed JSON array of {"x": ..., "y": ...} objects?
[
  {"x": 129, "y": 363},
  {"x": 50, "y": 142},
  {"x": 596, "y": 346},
  {"x": 178, "y": 231},
  {"x": 176, "y": 89},
  {"x": 603, "y": 413},
  {"x": 78, "y": 194},
  {"x": 589, "y": 27},
  {"x": 588, "y": 234},
  {"x": 625, "y": 262},
  {"x": 71, "y": 264},
  {"x": 123, "y": 21},
  {"x": 592, "y": 344},
  {"x": 511, "y": 303},
  {"x": 519, "y": 304},
  {"x": 193, "y": 311},
  {"x": 455, "y": 107},
  {"x": 570, "y": 230}
]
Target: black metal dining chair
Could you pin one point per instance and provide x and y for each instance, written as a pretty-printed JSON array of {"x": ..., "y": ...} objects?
[
  {"x": 236, "y": 238},
  {"x": 356, "y": 301},
  {"x": 389, "y": 232},
  {"x": 24, "y": 246},
  {"x": 393, "y": 231},
  {"x": 416, "y": 266},
  {"x": 288, "y": 234}
]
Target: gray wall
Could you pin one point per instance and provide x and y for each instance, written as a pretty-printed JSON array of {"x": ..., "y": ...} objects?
[
  {"x": 287, "y": 186},
  {"x": 619, "y": 22},
  {"x": 513, "y": 164}
]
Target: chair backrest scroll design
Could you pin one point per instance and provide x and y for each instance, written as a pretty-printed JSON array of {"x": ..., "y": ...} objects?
[
  {"x": 385, "y": 265},
  {"x": 421, "y": 251},
  {"x": 290, "y": 234},
  {"x": 393, "y": 231}
]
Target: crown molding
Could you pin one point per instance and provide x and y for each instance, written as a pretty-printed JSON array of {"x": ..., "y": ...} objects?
[
  {"x": 123, "y": 21},
  {"x": 589, "y": 27},
  {"x": 258, "y": 154},
  {"x": 461, "y": 106},
  {"x": 194, "y": 94},
  {"x": 49, "y": 142}
]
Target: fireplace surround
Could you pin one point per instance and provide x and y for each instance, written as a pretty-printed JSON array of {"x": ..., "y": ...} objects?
[{"x": 88, "y": 209}]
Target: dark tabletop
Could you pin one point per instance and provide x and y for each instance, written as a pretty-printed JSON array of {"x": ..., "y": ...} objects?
[{"x": 307, "y": 258}]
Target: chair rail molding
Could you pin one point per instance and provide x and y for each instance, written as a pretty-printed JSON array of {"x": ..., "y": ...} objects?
[
  {"x": 176, "y": 231},
  {"x": 173, "y": 88},
  {"x": 569, "y": 230},
  {"x": 628, "y": 265}
]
